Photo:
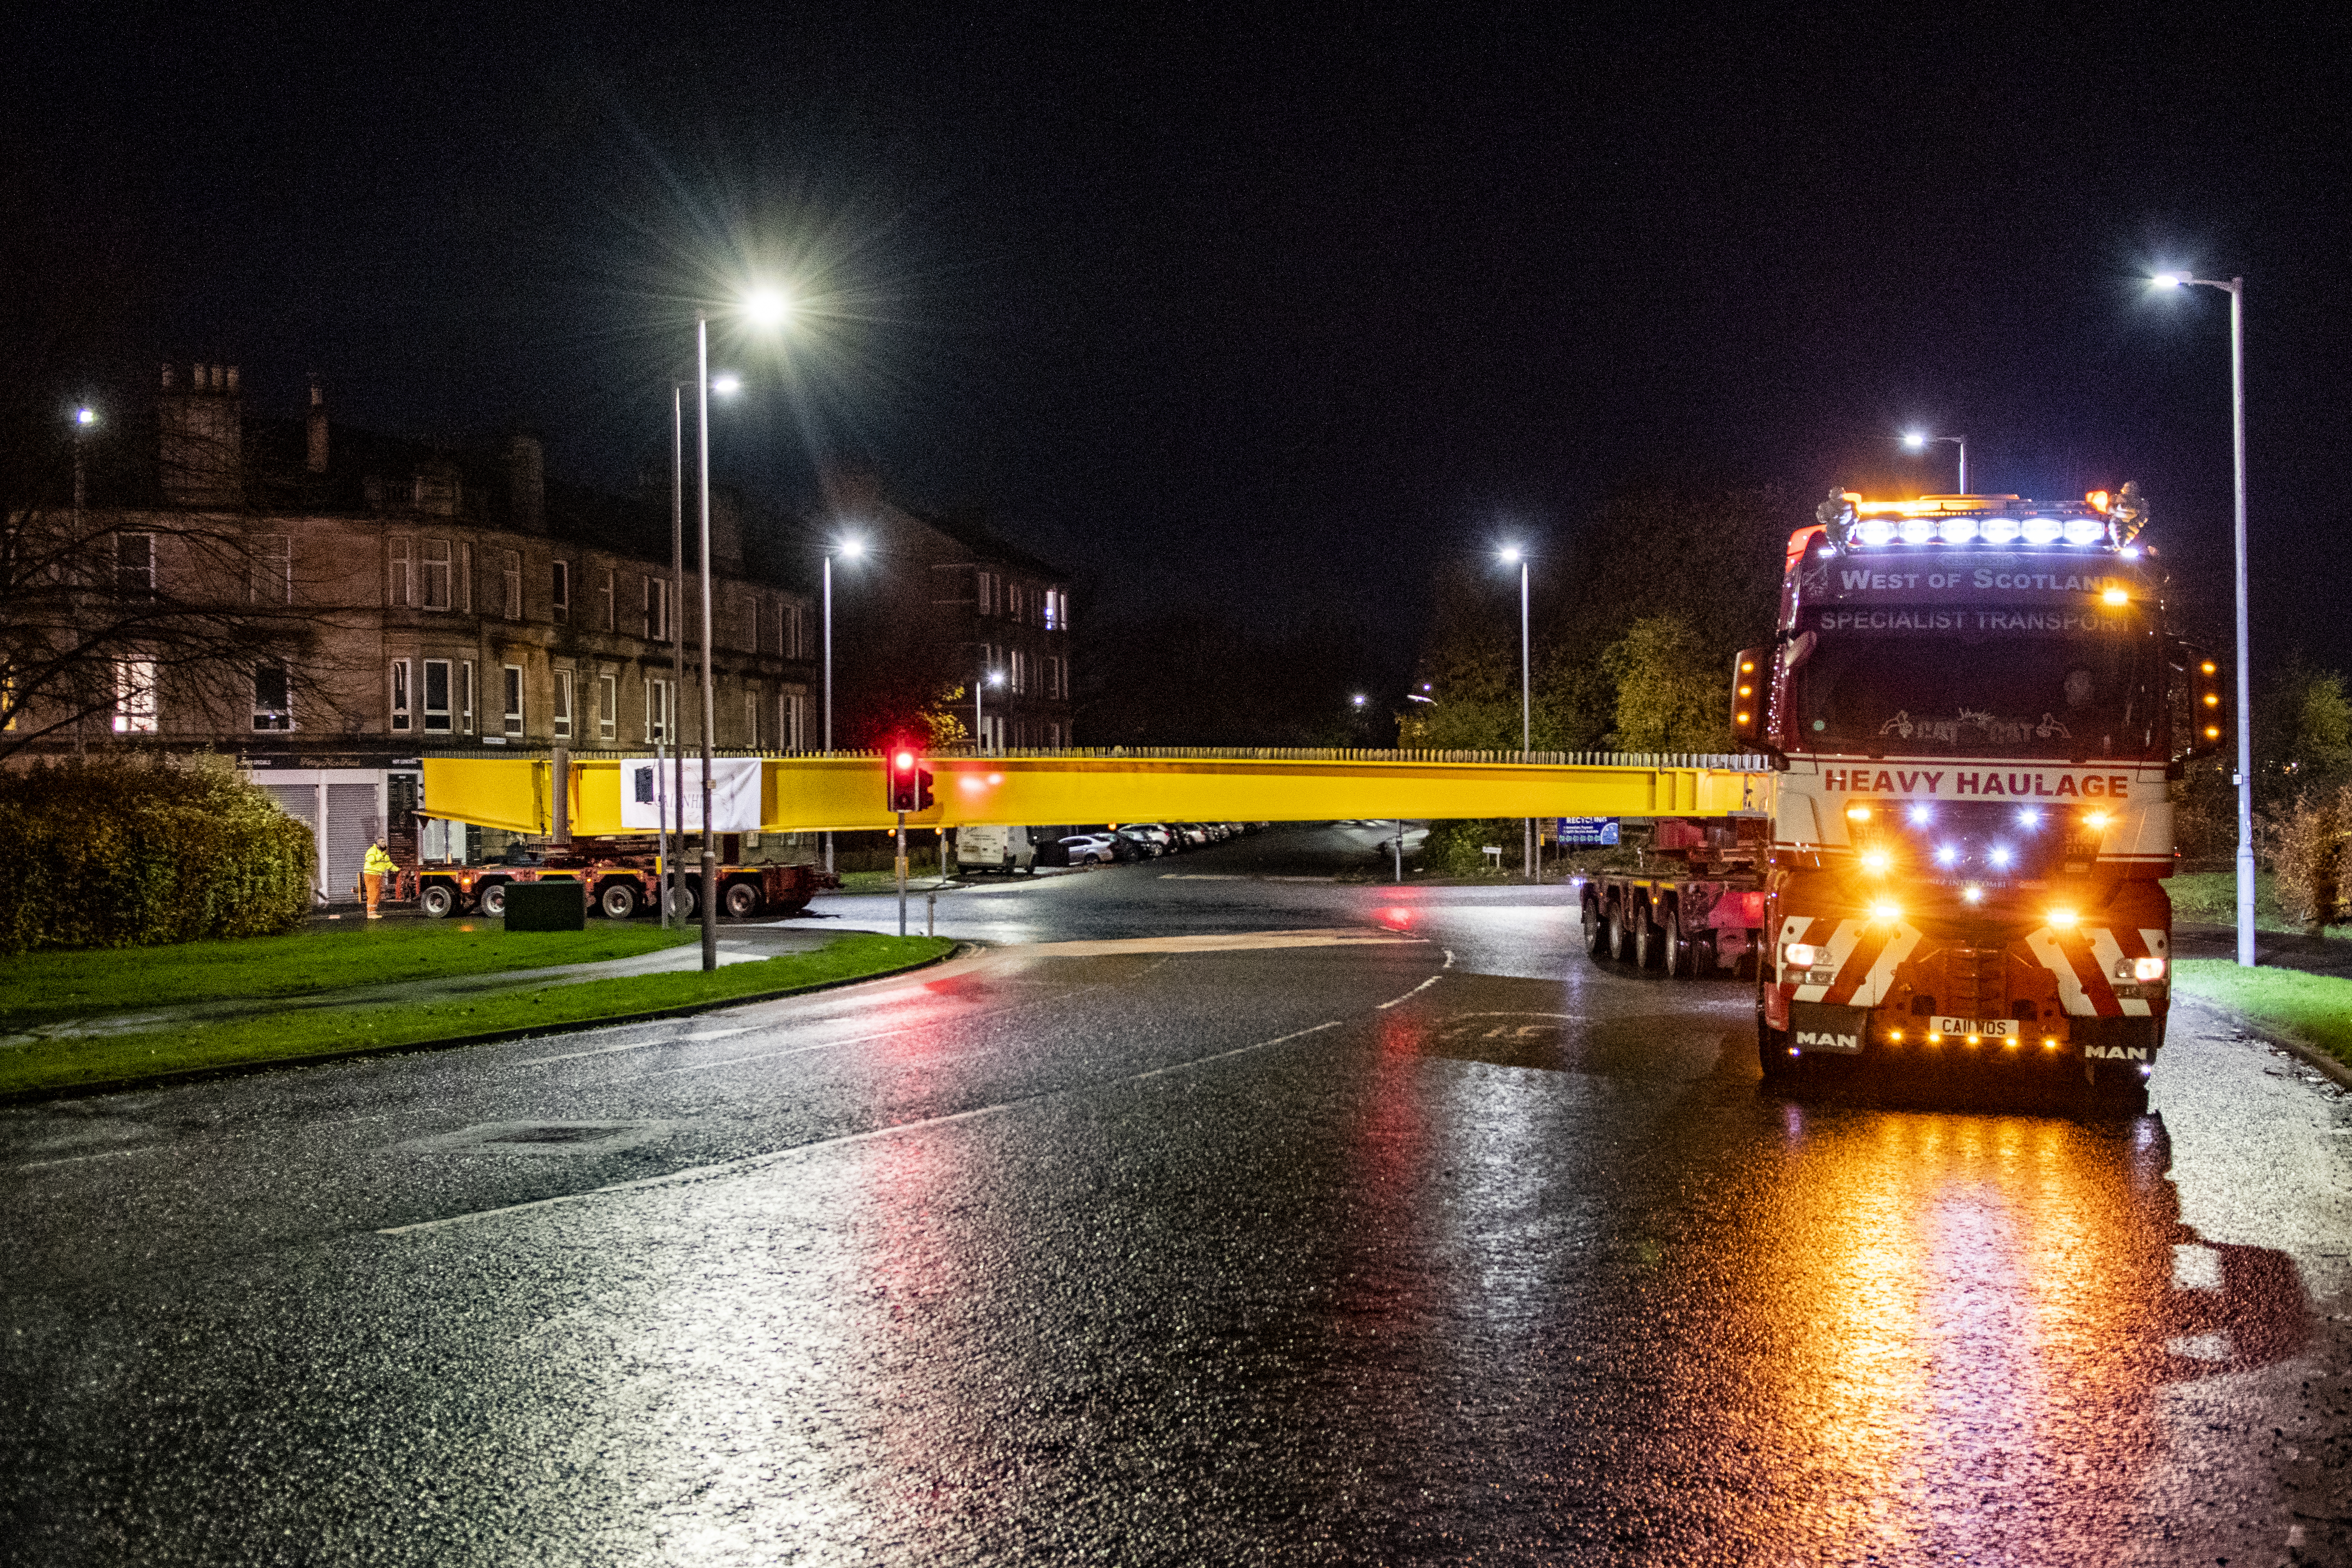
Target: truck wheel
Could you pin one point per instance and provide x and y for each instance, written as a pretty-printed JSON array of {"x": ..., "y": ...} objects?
[
  {"x": 682, "y": 904},
  {"x": 1649, "y": 943},
  {"x": 619, "y": 901},
  {"x": 1596, "y": 931},
  {"x": 435, "y": 902},
  {"x": 492, "y": 901},
  {"x": 1678, "y": 954},
  {"x": 1772, "y": 1054},
  {"x": 743, "y": 900},
  {"x": 1621, "y": 940}
]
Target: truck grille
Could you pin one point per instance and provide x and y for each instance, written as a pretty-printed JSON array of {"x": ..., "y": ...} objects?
[{"x": 1976, "y": 983}]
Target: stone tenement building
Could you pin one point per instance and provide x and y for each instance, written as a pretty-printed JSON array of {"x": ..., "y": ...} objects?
[{"x": 462, "y": 600}]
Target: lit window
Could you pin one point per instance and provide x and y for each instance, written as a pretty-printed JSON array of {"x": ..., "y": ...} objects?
[{"x": 134, "y": 694}]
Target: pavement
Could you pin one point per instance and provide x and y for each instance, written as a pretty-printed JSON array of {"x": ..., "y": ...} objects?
[{"x": 1243, "y": 1220}]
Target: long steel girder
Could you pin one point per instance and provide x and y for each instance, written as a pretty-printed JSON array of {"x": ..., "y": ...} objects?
[{"x": 803, "y": 793}]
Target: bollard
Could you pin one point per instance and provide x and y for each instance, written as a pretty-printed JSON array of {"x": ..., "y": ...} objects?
[{"x": 931, "y": 913}]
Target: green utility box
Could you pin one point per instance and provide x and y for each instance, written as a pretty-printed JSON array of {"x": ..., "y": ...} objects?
[{"x": 556, "y": 905}]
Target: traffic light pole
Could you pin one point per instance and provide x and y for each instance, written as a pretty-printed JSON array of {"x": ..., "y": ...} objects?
[{"x": 902, "y": 873}]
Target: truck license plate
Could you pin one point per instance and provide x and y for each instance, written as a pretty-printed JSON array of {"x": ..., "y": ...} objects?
[{"x": 1986, "y": 1029}]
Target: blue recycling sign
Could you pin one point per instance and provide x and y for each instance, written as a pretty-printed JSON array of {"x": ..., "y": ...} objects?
[{"x": 1590, "y": 831}]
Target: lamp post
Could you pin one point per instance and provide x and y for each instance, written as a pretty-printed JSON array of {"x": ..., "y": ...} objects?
[
  {"x": 852, "y": 548},
  {"x": 1512, "y": 553},
  {"x": 724, "y": 386},
  {"x": 83, "y": 418},
  {"x": 979, "y": 725},
  {"x": 2236, "y": 289},
  {"x": 1918, "y": 441}
]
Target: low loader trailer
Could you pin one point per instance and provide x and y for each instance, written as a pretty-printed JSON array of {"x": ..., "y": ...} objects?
[{"x": 619, "y": 877}]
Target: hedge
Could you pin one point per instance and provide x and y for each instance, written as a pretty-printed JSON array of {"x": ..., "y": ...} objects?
[{"x": 130, "y": 852}]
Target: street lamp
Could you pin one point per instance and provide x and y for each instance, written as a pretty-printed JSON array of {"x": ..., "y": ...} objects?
[
  {"x": 2236, "y": 289},
  {"x": 726, "y": 383},
  {"x": 1512, "y": 553},
  {"x": 1918, "y": 441},
  {"x": 979, "y": 725},
  {"x": 850, "y": 549}
]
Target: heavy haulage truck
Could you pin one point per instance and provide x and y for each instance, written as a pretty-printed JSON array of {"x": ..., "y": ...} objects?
[{"x": 1976, "y": 709}]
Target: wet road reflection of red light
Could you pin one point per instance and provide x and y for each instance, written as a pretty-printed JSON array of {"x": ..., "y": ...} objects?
[{"x": 1396, "y": 918}]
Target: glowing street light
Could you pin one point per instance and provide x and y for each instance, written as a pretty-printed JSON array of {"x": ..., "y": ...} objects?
[
  {"x": 1513, "y": 553},
  {"x": 767, "y": 307},
  {"x": 1919, "y": 440},
  {"x": 2236, "y": 289}
]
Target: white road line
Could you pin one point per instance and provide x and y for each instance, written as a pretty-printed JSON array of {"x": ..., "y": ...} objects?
[
  {"x": 1449, "y": 960},
  {"x": 1412, "y": 994},
  {"x": 632, "y": 1045},
  {"x": 760, "y": 1161}
]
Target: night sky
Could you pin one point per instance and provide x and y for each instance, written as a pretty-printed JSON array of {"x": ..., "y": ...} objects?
[{"x": 1258, "y": 309}]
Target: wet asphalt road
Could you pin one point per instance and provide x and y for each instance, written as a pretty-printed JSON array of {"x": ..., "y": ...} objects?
[{"x": 1421, "y": 1240}]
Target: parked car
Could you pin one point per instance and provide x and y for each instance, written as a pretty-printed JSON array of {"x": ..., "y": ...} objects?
[
  {"x": 1150, "y": 843},
  {"x": 1087, "y": 850}
]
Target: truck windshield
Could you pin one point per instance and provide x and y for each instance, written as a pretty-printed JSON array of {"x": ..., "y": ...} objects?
[{"x": 2001, "y": 695}]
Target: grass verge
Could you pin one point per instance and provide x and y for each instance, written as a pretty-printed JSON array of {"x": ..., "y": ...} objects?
[
  {"x": 51, "y": 988},
  {"x": 2314, "y": 1008},
  {"x": 313, "y": 1033},
  {"x": 2211, "y": 897}
]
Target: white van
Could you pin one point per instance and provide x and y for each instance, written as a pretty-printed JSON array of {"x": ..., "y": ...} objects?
[{"x": 989, "y": 846}]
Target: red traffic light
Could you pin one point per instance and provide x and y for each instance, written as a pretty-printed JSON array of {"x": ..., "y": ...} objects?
[
  {"x": 908, "y": 785},
  {"x": 903, "y": 761}
]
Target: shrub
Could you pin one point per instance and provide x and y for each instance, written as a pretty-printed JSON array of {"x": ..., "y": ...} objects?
[
  {"x": 2306, "y": 844},
  {"x": 1457, "y": 848},
  {"x": 121, "y": 852}
]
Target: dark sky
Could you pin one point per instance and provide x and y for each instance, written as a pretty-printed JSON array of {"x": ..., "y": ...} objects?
[{"x": 1264, "y": 307}]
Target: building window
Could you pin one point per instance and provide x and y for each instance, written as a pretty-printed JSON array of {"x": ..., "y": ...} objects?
[
  {"x": 465, "y": 576},
  {"x": 1057, "y": 610},
  {"x": 1054, "y": 737},
  {"x": 562, "y": 705},
  {"x": 751, "y": 717},
  {"x": 608, "y": 706},
  {"x": 134, "y": 566},
  {"x": 657, "y": 610},
  {"x": 1016, "y": 675},
  {"x": 436, "y": 695},
  {"x": 465, "y": 696},
  {"x": 795, "y": 630},
  {"x": 984, "y": 594},
  {"x": 559, "y": 591},
  {"x": 657, "y": 710},
  {"x": 791, "y": 721},
  {"x": 400, "y": 710},
  {"x": 400, "y": 579},
  {"x": 435, "y": 573},
  {"x": 514, "y": 585},
  {"x": 273, "y": 570},
  {"x": 134, "y": 693},
  {"x": 271, "y": 709},
  {"x": 1014, "y": 601},
  {"x": 512, "y": 690}
]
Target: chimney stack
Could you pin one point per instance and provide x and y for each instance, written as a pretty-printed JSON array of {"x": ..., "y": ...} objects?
[
  {"x": 203, "y": 438},
  {"x": 526, "y": 483},
  {"x": 317, "y": 427}
]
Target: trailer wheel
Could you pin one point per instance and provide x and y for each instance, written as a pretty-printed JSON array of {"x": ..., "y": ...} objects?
[
  {"x": 1679, "y": 956},
  {"x": 619, "y": 900},
  {"x": 1621, "y": 940},
  {"x": 1772, "y": 1054},
  {"x": 743, "y": 900},
  {"x": 492, "y": 901},
  {"x": 437, "y": 902},
  {"x": 1596, "y": 931},
  {"x": 682, "y": 904},
  {"x": 1649, "y": 941}
]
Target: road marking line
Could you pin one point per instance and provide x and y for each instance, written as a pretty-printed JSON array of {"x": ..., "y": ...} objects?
[
  {"x": 1208, "y": 942},
  {"x": 1412, "y": 994},
  {"x": 1449, "y": 960},
  {"x": 102, "y": 1155},
  {"x": 632, "y": 1045},
  {"x": 759, "y": 1161}
]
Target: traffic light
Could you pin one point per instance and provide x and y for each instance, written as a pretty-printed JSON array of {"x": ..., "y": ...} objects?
[
  {"x": 922, "y": 787},
  {"x": 905, "y": 778}
]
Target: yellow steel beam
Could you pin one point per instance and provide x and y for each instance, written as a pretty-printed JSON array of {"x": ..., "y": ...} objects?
[{"x": 811, "y": 794}]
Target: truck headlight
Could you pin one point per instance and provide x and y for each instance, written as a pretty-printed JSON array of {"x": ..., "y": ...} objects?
[
  {"x": 2141, "y": 969},
  {"x": 1800, "y": 955}
]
